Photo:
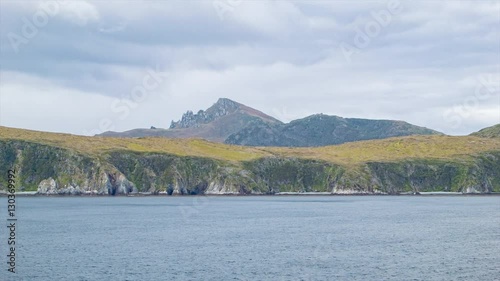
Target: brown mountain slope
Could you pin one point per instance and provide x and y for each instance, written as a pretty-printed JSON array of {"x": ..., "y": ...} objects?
[{"x": 217, "y": 123}]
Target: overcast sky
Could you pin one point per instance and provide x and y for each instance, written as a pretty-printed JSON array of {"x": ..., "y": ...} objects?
[{"x": 84, "y": 67}]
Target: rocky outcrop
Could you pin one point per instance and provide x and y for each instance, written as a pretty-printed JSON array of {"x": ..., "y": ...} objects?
[
  {"x": 111, "y": 184},
  {"x": 48, "y": 186},
  {"x": 221, "y": 108},
  {"x": 118, "y": 184}
]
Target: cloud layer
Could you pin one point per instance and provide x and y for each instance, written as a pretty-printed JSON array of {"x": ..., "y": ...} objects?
[{"x": 86, "y": 66}]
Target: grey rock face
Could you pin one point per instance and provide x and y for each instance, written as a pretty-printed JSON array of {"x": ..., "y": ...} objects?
[
  {"x": 221, "y": 108},
  {"x": 47, "y": 186},
  {"x": 119, "y": 184},
  {"x": 51, "y": 187},
  {"x": 70, "y": 190},
  {"x": 111, "y": 184}
]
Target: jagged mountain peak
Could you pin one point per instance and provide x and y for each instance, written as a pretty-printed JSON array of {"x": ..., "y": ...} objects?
[
  {"x": 225, "y": 102},
  {"x": 221, "y": 108}
]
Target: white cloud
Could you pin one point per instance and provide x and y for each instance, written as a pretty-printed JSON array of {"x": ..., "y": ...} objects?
[
  {"x": 79, "y": 12},
  {"x": 39, "y": 104},
  {"x": 275, "y": 18},
  {"x": 280, "y": 57}
]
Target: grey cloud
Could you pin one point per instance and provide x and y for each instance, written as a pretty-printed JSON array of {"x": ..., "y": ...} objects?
[{"x": 281, "y": 57}]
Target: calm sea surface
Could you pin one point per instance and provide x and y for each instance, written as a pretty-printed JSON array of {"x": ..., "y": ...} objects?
[{"x": 255, "y": 238}]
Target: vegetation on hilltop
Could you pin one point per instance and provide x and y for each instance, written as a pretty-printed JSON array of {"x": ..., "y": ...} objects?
[
  {"x": 321, "y": 130},
  {"x": 387, "y": 150},
  {"x": 490, "y": 132}
]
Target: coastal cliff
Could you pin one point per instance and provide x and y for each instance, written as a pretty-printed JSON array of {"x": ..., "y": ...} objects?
[{"x": 72, "y": 165}]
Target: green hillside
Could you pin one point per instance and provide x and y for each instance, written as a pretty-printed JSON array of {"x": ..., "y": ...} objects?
[
  {"x": 490, "y": 132},
  {"x": 62, "y": 163},
  {"x": 321, "y": 130}
]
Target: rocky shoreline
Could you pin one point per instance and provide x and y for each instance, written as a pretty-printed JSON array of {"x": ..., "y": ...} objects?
[{"x": 165, "y": 194}]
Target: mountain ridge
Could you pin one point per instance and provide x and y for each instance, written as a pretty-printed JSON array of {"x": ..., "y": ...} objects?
[
  {"x": 321, "y": 130},
  {"x": 230, "y": 122}
]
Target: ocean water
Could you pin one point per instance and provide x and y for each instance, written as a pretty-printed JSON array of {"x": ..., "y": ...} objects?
[{"x": 256, "y": 238}]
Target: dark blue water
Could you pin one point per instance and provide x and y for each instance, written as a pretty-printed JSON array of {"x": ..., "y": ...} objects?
[{"x": 256, "y": 238}]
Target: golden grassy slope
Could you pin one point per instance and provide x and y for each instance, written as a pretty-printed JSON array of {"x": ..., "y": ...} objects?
[{"x": 386, "y": 150}]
